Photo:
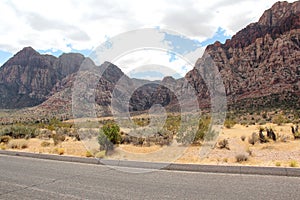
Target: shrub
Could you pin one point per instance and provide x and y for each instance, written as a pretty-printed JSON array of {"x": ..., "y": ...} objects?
[
  {"x": 243, "y": 138},
  {"x": 5, "y": 139},
  {"x": 59, "y": 151},
  {"x": 18, "y": 144},
  {"x": 100, "y": 154},
  {"x": 45, "y": 144},
  {"x": 88, "y": 154},
  {"x": 293, "y": 163},
  {"x": 253, "y": 139},
  {"x": 187, "y": 135},
  {"x": 277, "y": 164},
  {"x": 241, "y": 157},
  {"x": 109, "y": 135},
  {"x": 223, "y": 144},
  {"x": 279, "y": 120},
  {"x": 2, "y": 146},
  {"x": 58, "y": 138},
  {"x": 229, "y": 123}
]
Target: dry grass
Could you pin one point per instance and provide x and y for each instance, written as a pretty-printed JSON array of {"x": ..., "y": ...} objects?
[{"x": 268, "y": 154}]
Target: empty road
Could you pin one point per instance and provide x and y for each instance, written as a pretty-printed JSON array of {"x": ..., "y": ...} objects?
[{"x": 27, "y": 178}]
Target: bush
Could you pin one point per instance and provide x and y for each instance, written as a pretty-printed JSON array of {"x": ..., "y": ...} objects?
[
  {"x": 187, "y": 135},
  {"x": 45, "y": 144},
  {"x": 2, "y": 146},
  {"x": 241, "y": 157},
  {"x": 293, "y": 163},
  {"x": 253, "y": 139},
  {"x": 279, "y": 120},
  {"x": 59, "y": 151},
  {"x": 277, "y": 164},
  {"x": 243, "y": 138},
  {"x": 109, "y": 135},
  {"x": 229, "y": 123},
  {"x": 5, "y": 139},
  {"x": 58, "y": 138},
  {"x": 88, "y": 154},
  {"x": 223, "y": 144},
  {"x": 18, "y": 144},
  {"x": 100, "y": 154}
]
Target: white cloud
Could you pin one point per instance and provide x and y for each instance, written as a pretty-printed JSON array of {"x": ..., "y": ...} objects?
[{"x": 85, "y": 24}]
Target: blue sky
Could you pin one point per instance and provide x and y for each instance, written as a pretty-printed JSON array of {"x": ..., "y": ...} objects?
[{"x": 218, "y": 36}]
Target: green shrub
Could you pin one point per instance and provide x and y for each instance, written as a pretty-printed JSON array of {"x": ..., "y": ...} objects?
[
  {"x": 108, "y": 136},
  {"x": 279, "y": 119},
  {"x": 229, "y": 123},
  {"x": 188, "y": 135}
]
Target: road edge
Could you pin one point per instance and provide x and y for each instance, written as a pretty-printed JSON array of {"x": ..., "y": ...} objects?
[{"x": 253, "y": 170}]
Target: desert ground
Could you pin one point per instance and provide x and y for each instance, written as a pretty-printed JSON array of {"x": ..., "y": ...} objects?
[{"x": 284, "y": 152}]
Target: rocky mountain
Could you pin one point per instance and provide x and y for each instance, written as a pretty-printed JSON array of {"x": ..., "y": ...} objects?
[
  {"x": 259, "y": 67},
  {"x": 28, "y": 78}
]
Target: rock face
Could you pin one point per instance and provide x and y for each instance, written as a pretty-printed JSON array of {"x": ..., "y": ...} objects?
[
  {"x": 28, "y": 78},
  {"x": 259, "y": 66}
]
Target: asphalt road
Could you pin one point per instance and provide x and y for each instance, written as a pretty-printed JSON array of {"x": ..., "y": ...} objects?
[{"x": 28, "y": 178}]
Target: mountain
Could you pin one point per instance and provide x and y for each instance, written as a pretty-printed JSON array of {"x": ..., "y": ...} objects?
[
  {"x": 259, "y": 67},
  {"x": 28, "y": 77}
]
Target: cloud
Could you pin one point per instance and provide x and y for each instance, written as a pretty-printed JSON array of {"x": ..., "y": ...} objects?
[{"x": 85, "y": 24}]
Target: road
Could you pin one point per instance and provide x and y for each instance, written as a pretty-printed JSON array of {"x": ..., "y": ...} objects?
[{"x": 28, "y": 178}]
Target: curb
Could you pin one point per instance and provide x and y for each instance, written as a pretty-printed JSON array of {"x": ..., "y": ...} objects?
[{"x": 251, "y": 170}]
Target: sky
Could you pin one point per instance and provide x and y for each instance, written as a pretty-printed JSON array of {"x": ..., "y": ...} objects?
[{"x": 57, "y": 26}]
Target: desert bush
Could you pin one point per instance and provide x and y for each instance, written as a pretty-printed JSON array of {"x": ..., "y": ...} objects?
[
  {"x": 5, "y": 139},
  {"x": 279, "y": 119},
  {"x": 18, "y": 144},
  {"x": 243, "y": 138},
  {"x": 241, "y": 157},
  {"x": 100, "y": 154},
  {"x": 229, "y": 123},
  {"x": 277, "y": 164},
  {"x": 108, "y": 136},
  {"x": 59, "y": 151},
  {"x": 88, "y": 154},
  {"x": 223, "y": 144},
  {"x": 58, "y": 138},
  {"x": 2, "y": 146},
  {"x": 253, "y": 139},
  {"x": 293, "y": 163},
  {"x": 45, "y": 144},
  {"x": 44, "y": 134},
  {"x": 187, "y": 135}
]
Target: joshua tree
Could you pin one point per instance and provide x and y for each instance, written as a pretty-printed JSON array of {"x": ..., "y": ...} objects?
[
  {"x": 295, "y": 132},
  {"x": 262, "y": 138},
  {"x": 271, "y": 134}
]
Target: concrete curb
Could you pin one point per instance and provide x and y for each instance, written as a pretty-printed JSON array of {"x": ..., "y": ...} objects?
[{"x": 274, "y": 171}]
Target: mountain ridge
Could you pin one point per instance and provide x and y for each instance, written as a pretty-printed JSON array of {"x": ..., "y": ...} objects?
[{"x": 259, "y": 65}]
